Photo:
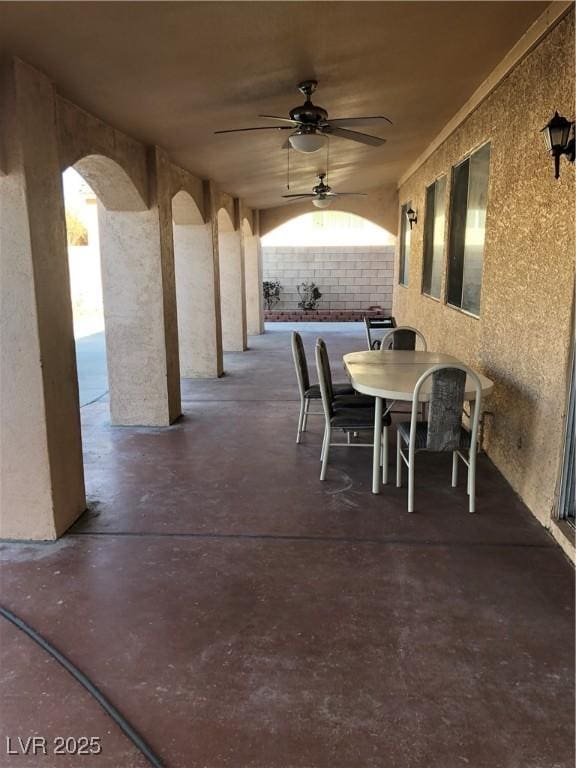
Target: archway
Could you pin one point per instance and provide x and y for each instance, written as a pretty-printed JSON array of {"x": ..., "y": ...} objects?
[
  {"x": 81, "y": 211},
  {"x": 42, "y": 482},
  {"x": 131, "y": 256},
  {"x": 232, "y": 285},
  {"x": 348, "y": 258},
  {"x": 253, "y": 279},
  {"x": 198, "y": 337}
]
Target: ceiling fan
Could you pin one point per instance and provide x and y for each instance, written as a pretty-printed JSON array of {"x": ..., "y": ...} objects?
[
  {"x": 312, "y": 127},
  {"x": 322, "y": 195}
]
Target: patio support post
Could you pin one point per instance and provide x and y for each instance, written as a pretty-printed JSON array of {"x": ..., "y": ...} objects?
[
  {"x": 206, "y": 296},
  {"x": 196, "y": 286},
  {"x": 139, "y": 294},
  {"x": 253, "y": 271},
  {"x": 41, "y": 474},
  {"x": 232, "y": 282}
]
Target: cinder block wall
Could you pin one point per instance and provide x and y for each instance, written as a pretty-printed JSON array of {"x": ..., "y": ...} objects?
[{"x": 348, "y": 277}]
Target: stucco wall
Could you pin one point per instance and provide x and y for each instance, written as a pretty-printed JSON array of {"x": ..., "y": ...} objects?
[
  {"x": 522, "y": 337},
  {"x": 348, "y": 277}
]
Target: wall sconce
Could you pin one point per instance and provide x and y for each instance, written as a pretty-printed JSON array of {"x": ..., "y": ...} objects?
[
  {"x": 557, "y": 139},
  {"x": 411, "y": 216}
]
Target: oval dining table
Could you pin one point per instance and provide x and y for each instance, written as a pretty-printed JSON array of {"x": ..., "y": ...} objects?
[{"x": 392, "y": 375}]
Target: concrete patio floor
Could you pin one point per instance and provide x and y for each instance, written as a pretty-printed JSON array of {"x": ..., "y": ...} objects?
[{"x": 242, "y": 614}]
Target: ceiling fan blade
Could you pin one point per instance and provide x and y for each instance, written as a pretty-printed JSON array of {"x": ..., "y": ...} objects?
[
  {"x": 294, "y": 123},
  {"x": 295, "y": 196},
  {"x": 265, "y": 128},
  {"x": 342, "y": 122},
  {"x": 362, "y": 138},
  {"x": 348, "y": 194}
]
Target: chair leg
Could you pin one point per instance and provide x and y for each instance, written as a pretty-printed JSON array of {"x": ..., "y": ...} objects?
[
  {"x": 305, "y": 416},
  {"x": 410, "y": 482},
  {"x": 323, "y": 444},
  {"x": 326, "y": 451},
  {"x": 454, "y": 469},
  {"x": 398, "y": 461},
  {"x": 472, "y": 482},
  {"x": 385, "y": 456},
  {"x": 300, "y": 421},
  {"x": 348, "y": 437}
]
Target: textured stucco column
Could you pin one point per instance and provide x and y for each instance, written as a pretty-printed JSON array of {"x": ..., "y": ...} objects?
[
  {"x": 41, "y": 475},
  {"x": 253, "y": 274},
  {"x": 139, "y": 295},
  {"x": 211, "y": 215},
  {"x": 232, "y": 286},
  {"x": 200, "y": 350}
]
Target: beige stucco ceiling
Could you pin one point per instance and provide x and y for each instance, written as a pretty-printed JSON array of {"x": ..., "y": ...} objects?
[{"x": 170, "y": 73}]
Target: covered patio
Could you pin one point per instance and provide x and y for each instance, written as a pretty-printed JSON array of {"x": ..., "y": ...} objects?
[
  {"x": 238, "y": 617},
  {"x": 217, "y": 601}
]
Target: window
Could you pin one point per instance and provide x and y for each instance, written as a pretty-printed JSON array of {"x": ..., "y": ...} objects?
[
  {"x": 566, "y": 503},
  {"x": 434, "y": 237},
  {"x": 404, "y": 245},
  {"x": 467, "y": 229}
]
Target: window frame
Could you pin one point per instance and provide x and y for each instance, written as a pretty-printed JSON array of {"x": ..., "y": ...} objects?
[
  {"x": 403, "y": 268},
  {"x": 441, "y": 289},
  {"x": 466, "y": 158}
]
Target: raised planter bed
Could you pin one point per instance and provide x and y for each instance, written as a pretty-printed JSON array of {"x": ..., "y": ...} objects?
[{"x": 321, "y": 315}]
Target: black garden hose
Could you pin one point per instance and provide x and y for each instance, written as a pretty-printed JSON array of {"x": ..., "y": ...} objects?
[{"x": 86, "y": 683}]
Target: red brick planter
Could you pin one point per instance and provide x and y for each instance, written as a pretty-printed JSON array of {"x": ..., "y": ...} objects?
[{"x": 320, "y": 315}]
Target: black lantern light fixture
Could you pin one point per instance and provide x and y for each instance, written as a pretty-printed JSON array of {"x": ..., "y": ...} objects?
[
  {"x": 411, "y": 216},
  {"x": 558, "y": 141}
]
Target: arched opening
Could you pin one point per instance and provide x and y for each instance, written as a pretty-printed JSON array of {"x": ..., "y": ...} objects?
[
  {"x": 110, "y": 182},
  {"x": 346, "y": 258},
  {"x": 253, "y": 279},
  {"x": 126, "y": 240},
  {"x": 195, "y": 290},
  {"x": 81, "y": 211},
  {"x": 232, "y": 285}
]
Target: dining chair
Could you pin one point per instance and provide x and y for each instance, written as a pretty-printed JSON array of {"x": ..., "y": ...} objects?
[
  {"x": 443, "y": 430},
  {"x": 377, "y": 323},
  {"x": 403, "y": 337},
  {"x": 343, "y": 417},
  {"x": 307, "y": 391}
]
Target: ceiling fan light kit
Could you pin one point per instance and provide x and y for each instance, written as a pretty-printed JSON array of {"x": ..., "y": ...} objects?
[
  {"x": 307, "y": 141},
  {"x": 312, "y": 128},
  {"x": 322, "y": 195}
]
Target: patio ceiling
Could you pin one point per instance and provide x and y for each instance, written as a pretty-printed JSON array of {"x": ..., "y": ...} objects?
[{"x": 171, "y": 73}]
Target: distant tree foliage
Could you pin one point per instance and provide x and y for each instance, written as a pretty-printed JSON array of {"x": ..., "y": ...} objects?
[{"x": 76, "y": 231}]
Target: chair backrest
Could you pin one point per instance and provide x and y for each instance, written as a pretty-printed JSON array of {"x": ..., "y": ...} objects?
[
  {"x": 445, "y": 405},
  {"x": 300, "y": 363},
  {"x": 377, "y": 323},
  {"x": 324, "y": 377},
  {"x": 403, "y": 337}
]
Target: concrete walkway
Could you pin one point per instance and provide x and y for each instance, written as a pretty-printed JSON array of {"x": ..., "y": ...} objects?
[
  {"x": 91, "y": 367},
  {"x": 91, "y": 355},
  {"x": 242, "y": 614}
]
